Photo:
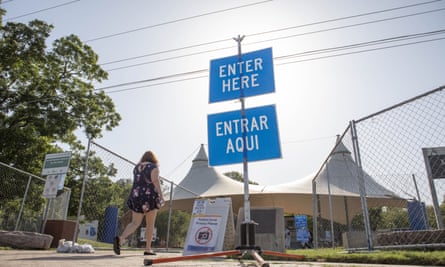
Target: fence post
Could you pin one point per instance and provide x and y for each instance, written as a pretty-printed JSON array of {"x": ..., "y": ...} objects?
[
  {"x": 361, "y": 184},
  {"x": 169, "y": 215},
  {"x": 23, "y": 203},
  {"x": 85, "y": 174},
  {"x": 314, "y": 214},
  {"x": 331, "y": 216}
]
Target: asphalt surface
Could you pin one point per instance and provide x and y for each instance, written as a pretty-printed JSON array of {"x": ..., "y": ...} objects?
[{"x": 102, "y": 258}]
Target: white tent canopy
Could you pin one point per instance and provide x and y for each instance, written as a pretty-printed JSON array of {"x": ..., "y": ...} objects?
[
  {"x": 340, "y": 172},
  {"x": 204, "y": 181}
]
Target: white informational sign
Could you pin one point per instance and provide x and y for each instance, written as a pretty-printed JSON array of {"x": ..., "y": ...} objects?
[
  {"x": 51, "y": 186},
  {"x": 199, "y": 207},
  {"x": 88, "y": 230},
  {"x": 435, "y": 158},
  {"x": 208, "y": 224},
  {"x": 143, "y": 238},
  {"x": 203, "y": 233},
  {"x": 56, "y": 163}
]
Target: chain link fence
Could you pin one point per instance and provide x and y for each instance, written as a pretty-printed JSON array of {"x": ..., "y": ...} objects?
[
  {"x": 104, "y": 203},
  {"x": 373, "y": 190},
  {"x": 22, "y": 204}
]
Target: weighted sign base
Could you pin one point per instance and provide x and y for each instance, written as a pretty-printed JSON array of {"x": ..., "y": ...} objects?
[
  {"x": 247, "y": 248},
  {"x": 255, "y": 253}
]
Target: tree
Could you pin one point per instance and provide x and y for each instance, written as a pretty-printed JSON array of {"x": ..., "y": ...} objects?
[
  {"x": 238, "y": 177},
  {"x": 375, "y": 220},
  {"x": 47, "y": 94},
  {"x": 179, "y": 224}
]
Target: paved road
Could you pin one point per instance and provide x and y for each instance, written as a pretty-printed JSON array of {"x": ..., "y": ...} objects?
[{"x": 50, "y": 258}]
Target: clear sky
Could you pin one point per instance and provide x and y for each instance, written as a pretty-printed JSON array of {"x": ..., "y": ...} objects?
[{"x": 334, "y": 61}]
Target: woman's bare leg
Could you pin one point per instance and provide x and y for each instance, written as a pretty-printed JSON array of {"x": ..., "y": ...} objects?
[
  {"x": 150, "y": 218},
  {"x": 136, "y": 219}
]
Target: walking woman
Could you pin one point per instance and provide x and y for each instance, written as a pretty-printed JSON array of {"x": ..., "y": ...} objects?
[{"x": 144, "y": 201}]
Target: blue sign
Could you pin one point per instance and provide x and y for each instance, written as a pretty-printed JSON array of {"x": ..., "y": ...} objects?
[
  {"x": 302, "y": 232},
  {"x": 241, "y": 76},
  {"x": 230, "y": 134}
]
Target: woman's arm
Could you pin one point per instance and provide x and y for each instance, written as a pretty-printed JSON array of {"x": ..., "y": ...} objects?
[{"x": 156, "y": 182}]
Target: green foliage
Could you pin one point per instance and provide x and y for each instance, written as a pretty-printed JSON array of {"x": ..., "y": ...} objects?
[
  {"x": 394, "y": 218},
  {"x": 46, "y": 94},
  {"x": 375, "y": 220},
  {"x": 395, "y": 257},
  {"x": 238, "y": 177},
  {"x": 179, "y": 224}
]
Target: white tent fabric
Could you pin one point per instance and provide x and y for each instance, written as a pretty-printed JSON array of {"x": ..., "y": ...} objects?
[
  {"x": 204, "y": 181},
  {"x": 340, "y": 172}
]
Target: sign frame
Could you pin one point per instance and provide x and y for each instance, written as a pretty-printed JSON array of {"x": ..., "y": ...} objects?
[
  {"x": 226, "y": 138},
  {"x": 240, "y": 76},
  {"x": 56, "y": 163}
]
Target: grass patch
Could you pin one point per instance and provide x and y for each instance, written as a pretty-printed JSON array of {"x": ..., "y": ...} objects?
[{"x": 432, "y": 258}]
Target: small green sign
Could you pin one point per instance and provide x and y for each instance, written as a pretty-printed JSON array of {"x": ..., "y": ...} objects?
[{"x": 57, "y": 163}]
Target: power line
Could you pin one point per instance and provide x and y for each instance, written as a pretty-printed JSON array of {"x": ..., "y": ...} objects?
[
  {"x": 7, "y": 1},
  {"x": 174, "y": 21},
  {"x": 364, "y": 44},
  {"x": 41, "y": 10},
  {"x": 155, "y": 84},
  {"x": 348, "y": 17},
  {"x": 310, "y": 139},
  {"x": 307, "y": 53},
  {"x": 363, "y": 51},
  {"x": 350, "y": 26},
  {"x": 154, "y": 79},
  {"x": 272, "y": 39},
  {"x": 326, "y": 50}
]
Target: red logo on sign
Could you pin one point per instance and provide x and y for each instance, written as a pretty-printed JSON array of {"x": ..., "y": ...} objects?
[{"x": 203, "y": 235}]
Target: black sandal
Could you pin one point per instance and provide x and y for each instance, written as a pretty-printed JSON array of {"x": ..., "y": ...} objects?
[
  {"x": 117, "y": 246},
  {"x": 149, "y": 253}
]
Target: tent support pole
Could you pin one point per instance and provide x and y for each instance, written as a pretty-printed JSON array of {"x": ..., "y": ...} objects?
[
  {"x": 331, "y": 216},
  {"x": 361, "y": 185}
]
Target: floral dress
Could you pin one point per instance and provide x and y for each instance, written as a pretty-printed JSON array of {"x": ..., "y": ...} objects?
[{"x": 143, "y": 197}]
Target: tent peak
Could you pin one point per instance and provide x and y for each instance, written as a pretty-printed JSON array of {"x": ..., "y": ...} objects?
[
  {"x": 201, "y": 156},
  {"x": 340, "y": 148}
]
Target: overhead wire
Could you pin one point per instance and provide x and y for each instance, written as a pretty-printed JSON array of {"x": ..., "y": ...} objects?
[
  {"x": 349, "y": 17},
  {"x": 289, "y": 28},
  {"x": 7, "y": 1},
  {"x": 41, "y": 10},
  {"x": 174, "y": 21},
  {"x": 351, "y": 25},
  {"x": 363, "y": 51},
  {"x": 261, "y": 41},
  {"x": 364, "y": 44},
  {"x": 302, "y": 54},
  {"x": 312, "y": 52},
  {"x": 326, "y": 50}
]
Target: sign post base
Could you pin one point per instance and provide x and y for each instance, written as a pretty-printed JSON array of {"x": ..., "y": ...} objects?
[
  {"x": 247, "y": 248},
  {"x": 254, "y": 252}
]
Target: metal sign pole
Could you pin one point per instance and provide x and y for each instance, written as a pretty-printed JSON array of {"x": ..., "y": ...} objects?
[
  {"x": 247, "y": 229},
  {"x": 247, "y": 219}
]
